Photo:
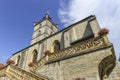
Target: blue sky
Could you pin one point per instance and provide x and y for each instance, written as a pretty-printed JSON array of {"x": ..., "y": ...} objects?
[
  {"x": 17, "y": 17},
  {"x": 16, "y": 22}
]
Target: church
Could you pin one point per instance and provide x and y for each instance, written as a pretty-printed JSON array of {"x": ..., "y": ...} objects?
[{"x": 81, "y": 51}]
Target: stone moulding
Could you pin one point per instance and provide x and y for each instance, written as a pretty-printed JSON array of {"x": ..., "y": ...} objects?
[{"x": 79, "y": 48}]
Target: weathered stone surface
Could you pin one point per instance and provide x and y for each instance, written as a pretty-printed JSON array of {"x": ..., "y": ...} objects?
[
  {"x": 81, "y": 66},
  {"x": 80, "y": 56}
]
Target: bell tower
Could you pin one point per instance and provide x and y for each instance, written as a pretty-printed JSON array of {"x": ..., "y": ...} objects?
[{"x": 43, "y": 29}]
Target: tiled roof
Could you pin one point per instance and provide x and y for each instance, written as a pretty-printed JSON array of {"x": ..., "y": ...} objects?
[{"x": 1, "y": 65}]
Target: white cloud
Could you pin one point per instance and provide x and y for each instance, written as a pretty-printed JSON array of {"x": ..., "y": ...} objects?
[{"x": 106, "y": 11}]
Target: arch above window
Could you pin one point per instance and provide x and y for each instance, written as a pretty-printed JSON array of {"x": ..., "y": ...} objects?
[{"x": 55, "y": 46}]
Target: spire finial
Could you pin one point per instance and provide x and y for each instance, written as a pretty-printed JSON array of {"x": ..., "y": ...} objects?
[
  {"x": 47, "y": 11},
  {"x": 47, "y": 15}
]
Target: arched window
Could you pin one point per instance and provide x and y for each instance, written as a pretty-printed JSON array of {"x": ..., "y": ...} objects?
[
  {"x": 35, "y": 54},
  {"x": 18, "y": 60},
  {"x": 57, "y": 47}
]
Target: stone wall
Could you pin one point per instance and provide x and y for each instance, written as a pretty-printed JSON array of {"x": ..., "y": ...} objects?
[
  {"x": 81, "y": 66},
  {"x": 65, "y": 37}
]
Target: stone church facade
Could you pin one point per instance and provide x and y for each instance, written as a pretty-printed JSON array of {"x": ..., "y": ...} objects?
[{"x": 75, "y": 53}]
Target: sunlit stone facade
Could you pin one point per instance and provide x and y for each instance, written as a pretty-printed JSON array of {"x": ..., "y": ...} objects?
[{"x": 77, "y": 51}]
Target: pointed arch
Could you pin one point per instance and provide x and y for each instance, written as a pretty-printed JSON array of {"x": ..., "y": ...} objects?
[
  {"x": 55, "y": 46},
  {"x": 34, "y": 55}
]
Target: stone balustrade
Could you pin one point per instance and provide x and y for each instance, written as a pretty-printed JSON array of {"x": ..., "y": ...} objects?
[
  {"x": 76, "y": 49},
  {"x": 16, "y": 73}
]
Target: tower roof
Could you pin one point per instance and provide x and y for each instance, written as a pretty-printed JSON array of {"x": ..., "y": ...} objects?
[{"x": 47, "y": 16}]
